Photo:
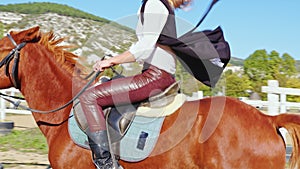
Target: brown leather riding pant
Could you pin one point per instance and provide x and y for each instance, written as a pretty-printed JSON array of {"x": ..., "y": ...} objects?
[{"x": 122, "y": 91}]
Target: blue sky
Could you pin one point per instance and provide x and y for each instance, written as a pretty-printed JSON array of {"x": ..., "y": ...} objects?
[{"x": 248, "y": 25}]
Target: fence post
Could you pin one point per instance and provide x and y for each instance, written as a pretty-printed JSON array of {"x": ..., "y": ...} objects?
[
  {"x": 2, "y": 109},
  {"x": 273, "y": 99},
  {"x": 282, "y": 103},
  {"x": 273, "y": 103},
  {"x": 196, "y": 95}
]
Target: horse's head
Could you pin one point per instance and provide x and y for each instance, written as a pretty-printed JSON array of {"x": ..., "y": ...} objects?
[
  {"x": 29, "y": 35},
  {"x": 8, "y": 49}
]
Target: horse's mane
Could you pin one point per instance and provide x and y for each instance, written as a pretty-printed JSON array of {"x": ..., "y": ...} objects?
[{"x": 67, "y": 59}]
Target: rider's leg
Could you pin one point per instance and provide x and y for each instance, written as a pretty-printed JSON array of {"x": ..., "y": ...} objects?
[
  {"x": 118, "y": 91},
  {"x": 98, "y": 142}
]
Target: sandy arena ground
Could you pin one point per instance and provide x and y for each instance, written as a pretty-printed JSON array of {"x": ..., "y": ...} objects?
[{"x": 19, "y": 160}]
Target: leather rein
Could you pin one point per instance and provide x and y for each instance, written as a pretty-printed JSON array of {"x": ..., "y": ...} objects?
[{"x": 13, "y": 77}]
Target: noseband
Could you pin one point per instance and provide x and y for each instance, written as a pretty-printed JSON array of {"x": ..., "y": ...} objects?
[{"x": 13, "y": 54}]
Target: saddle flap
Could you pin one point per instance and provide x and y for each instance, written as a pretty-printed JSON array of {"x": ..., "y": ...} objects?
[
  {"x": 118, "y": 120},
  {"x": 79, "y": 116}
]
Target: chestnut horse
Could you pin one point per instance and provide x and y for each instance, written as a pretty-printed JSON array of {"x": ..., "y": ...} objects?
[{"x": 212, "y": 133}]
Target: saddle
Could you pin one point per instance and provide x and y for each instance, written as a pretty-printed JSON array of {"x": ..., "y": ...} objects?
[{"x": 119, "y": 118}]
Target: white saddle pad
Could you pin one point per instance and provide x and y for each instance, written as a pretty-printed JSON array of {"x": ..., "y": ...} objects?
[{"x": 163, "y": 111}]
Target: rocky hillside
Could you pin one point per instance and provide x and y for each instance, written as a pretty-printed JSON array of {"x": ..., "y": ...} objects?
[{"x": 92, "y": 36}]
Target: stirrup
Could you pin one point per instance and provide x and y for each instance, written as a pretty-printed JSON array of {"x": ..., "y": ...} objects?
[{"x": 107, "y": 165}]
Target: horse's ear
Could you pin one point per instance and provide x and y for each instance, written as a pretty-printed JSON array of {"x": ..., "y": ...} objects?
[{"x": 29, "y": 35}]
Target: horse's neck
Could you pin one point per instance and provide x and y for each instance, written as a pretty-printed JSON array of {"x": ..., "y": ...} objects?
[{"x": 45, "y": 85}]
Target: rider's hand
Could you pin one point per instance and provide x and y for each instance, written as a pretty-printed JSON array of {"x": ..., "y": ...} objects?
[
  {"x": 102, "y": 64},
  {"x": 125, "y": 57}
]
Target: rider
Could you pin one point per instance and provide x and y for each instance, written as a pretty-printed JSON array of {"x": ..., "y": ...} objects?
[{"x": 159, "y": 68}]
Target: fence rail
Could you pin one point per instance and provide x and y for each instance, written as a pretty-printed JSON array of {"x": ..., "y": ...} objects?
[
  {"x": 276, "y": 103},
  {"x": 276, "y": 100},
  {"x": 6, "y": 107}
]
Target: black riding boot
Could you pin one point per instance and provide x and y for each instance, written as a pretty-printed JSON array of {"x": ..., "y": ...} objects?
[{"x": 99, "y": 145}]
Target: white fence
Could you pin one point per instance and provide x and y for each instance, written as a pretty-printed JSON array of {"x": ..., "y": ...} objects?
[
  {"x": 6, "y": 107},
  {"x": 276, "y": 100},
  {"x": 276, "y": 103}
]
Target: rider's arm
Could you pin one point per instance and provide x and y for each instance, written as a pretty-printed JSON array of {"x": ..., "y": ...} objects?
[
  {"x": 148, "y": 32},
  {"x": 155, "y": 18},
  {"x": 125, "y": 57}
]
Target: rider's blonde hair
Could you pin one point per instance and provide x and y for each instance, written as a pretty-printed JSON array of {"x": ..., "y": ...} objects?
[{"x": 179, "y": 3}]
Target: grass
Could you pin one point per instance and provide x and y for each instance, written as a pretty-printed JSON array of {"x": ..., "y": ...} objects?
[{"x": 31, "y": 140}]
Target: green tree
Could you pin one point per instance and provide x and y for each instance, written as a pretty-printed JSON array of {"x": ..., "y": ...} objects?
[
  {"x": 188, "y": 83},
  {"x": 207, "y": 91},
  {"x": 273, "y": 65},
  {"x": 261, "y": 67},
  {"x": 293, "y": 82},
  {"x": 287, "y": 70},
  {"x": 256, "y": 67},
  {"x": 236, "y": 84},
  {"x": 288, "y": 65}
]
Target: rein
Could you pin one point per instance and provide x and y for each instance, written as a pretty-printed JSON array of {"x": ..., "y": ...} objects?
[{"x": 17, "y": 104}]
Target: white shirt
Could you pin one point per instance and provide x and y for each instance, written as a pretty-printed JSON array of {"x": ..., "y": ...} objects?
[{"x": 146, "y": 49}]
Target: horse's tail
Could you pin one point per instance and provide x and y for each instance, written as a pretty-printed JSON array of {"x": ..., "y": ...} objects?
[{"x": 291, "y": 122}]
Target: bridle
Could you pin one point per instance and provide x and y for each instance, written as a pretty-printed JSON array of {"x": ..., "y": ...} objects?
[
  {"x": 13, "y": 54},
  {"x": 13, "y": 77}
]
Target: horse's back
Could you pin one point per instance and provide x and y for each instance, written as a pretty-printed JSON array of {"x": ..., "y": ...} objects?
[
  {"x": 237, "y": 135},
  {"x": 217, "y": 133}
]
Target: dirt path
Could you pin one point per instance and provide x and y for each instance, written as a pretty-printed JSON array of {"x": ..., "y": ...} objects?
[
  {"x": 19, "y": 160},
  {"x": 13, "y": 159},
  {"x": 21, "y": 122}
]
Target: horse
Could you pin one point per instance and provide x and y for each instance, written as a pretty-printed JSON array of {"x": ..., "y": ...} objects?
[{"x": 218, "y": 132}]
